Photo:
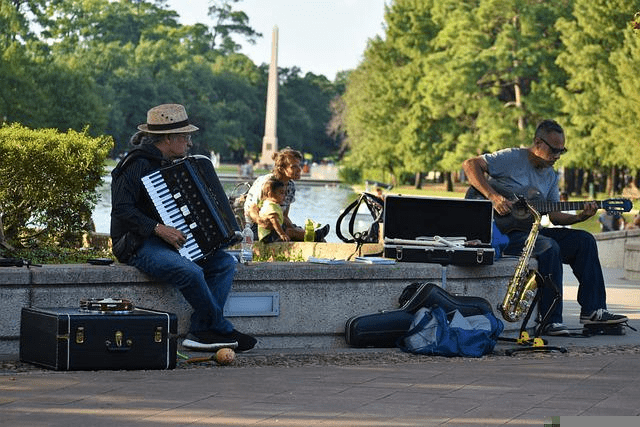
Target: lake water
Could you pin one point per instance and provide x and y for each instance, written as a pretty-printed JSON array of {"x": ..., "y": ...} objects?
[{"x": 323, "y": 204}]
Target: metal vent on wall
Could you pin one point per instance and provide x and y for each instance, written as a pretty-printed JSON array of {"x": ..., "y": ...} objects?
[{"x": 252, "y": 304}]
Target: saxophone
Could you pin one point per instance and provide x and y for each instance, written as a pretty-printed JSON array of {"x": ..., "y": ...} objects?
[{"x": 523, "y": 284}]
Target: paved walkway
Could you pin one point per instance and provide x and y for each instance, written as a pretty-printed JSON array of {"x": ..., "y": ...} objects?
[{"x": 598, "y": 376}]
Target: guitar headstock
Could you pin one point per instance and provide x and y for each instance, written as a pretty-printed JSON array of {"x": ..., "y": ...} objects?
[{"x": 617, "y": 205}]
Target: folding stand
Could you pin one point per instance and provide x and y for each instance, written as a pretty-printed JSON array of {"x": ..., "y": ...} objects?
[{"x": 537, "y": 343}]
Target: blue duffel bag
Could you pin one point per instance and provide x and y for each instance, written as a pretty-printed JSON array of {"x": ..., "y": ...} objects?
[{"x": 432, "y": 332}]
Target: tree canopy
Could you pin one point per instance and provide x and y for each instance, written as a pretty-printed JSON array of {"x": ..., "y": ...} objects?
[
  {"x": 451, "y": 79},
  {"x": 101, "y": 64}
]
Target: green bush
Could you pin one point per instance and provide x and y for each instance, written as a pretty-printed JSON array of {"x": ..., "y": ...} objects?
[
  {"x": 48, "y": 182},
  {"x": 350, "y": 175}
]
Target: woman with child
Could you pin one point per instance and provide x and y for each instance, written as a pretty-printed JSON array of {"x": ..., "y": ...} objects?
[{"x": 286, "y": 169}]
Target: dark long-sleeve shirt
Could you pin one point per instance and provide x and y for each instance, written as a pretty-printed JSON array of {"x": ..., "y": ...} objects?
[{"x": 131, "y": 207}]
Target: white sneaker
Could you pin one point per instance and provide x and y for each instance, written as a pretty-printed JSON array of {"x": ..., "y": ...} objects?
[
  {"x": 602, "y": 316},
  {"x": 555, "y": 329}
]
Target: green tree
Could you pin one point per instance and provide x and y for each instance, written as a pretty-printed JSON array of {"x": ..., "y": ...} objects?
[
  {"x": 451, "y": 79},
  {"x": 102, "y": 64},
  {"x": 596, "y": 57},
  {"x": 373, "y": 105},
  {"x": 228, "y": 22},
  {"x": 624, "y": 110},
  {"x": 303, "y": 112},
  {"x": 499, "y": 75}
]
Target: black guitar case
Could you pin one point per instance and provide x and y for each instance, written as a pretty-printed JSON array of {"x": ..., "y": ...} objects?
[{"x": 385, "y": 328}]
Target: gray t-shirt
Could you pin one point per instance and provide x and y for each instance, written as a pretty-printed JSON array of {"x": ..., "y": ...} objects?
[{"x": 511, "y": 171}]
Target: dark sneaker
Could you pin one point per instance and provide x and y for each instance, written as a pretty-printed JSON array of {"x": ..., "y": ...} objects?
[
  {"x": 555, "y": 329},
  {"x": 208, "y": 341},
  {"x": 245, "y": 342},
  {"x": 321, "y": 233},
  {"x": 602, "y": 316}
]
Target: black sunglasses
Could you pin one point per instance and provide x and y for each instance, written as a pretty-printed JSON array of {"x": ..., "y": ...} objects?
[{"x": 554, "y": 150}]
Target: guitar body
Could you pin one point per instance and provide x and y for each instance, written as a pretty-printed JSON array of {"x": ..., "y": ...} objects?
[{"x": 520, "y": 217}]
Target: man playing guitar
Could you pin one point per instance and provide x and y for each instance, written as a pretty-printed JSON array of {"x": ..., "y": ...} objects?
[{"x": 515, "y": 172}]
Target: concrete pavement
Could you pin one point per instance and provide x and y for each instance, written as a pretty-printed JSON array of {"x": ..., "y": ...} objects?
[{"x": 598, "y": 376}]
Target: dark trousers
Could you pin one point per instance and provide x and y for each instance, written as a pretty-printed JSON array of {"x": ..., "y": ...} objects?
[
  {"x": 205, "y": 286},
  {"x": 577, "y": 248}
]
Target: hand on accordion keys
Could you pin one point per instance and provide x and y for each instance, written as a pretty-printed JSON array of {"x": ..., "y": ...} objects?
[{"x": 171, "y": 235}]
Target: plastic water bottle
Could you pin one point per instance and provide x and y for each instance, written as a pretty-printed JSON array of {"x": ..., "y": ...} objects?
[
  {"x": 246, "y": 254},
  {"x": 309, "y": 231}
]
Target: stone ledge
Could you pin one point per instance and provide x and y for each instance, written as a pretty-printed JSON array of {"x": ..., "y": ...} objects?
[
  {"x": 632, "y": 261},
  {"x": 315, "y": 300},
  {"x": 611, "y": 246}
]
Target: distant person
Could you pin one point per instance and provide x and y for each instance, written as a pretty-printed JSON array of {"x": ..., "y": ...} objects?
[
  {"x": 287, "y": 169},
  {"x": 140, "y": 239},
  {"x": 634, "y": 224},
  {"x": 611, "y": 221},
  {"x": 246, "y": 170}
]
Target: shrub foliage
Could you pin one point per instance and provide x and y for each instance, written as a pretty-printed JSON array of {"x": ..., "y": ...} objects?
[{"x": 48, "y": 182}]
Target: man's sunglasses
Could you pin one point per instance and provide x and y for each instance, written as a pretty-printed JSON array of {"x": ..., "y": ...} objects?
[{"x": 554, "y": 150}]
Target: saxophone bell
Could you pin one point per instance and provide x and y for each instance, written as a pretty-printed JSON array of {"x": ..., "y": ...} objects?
[{"x": 519, "y": 297}]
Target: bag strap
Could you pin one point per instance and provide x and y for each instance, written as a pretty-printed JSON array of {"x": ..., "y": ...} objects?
[
  {"x": 376, "y": 208},
  {"x": 17, "y": 262},
  {"x": 131, "y": 156}
]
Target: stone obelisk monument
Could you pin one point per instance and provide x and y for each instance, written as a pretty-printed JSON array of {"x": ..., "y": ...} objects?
[{"x": 270, "y": 139}]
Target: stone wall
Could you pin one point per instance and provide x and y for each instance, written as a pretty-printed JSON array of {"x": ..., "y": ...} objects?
[
  {"x": 312, "y": 301},
  {"x": 611, "y": 246},
  {"x": 632, "y": 261}
]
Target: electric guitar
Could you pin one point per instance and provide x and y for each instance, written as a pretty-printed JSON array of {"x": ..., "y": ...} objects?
[{"x": 520, "y": 217}]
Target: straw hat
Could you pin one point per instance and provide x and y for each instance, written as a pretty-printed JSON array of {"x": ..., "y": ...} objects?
[{"x": 167, "y": 118}]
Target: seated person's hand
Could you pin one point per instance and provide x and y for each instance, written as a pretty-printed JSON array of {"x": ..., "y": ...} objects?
[
  {"x": 171, "y": 235},
  {"x": 284, "y": 237},
  {"x": 590, "y": 209}
]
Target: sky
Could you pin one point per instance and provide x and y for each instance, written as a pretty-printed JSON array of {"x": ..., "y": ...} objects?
[{"x": 318, "y": 36}]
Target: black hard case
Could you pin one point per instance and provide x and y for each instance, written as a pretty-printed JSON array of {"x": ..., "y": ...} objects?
[
  {"x": 383, "y": 329},
  {"x": 415, "y": 221},
  {"x": 76, "y": 339}
]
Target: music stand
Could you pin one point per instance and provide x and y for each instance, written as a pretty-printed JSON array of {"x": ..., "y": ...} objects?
[{"x": 537, "y": 343}]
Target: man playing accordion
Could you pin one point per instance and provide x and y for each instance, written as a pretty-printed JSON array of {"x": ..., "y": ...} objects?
[{"x": 141, "y": 239}]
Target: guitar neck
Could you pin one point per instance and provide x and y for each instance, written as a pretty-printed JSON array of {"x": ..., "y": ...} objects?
[{"x": 545, "y": 207}]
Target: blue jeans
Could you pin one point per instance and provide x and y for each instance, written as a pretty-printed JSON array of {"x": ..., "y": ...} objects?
[
  {"x": 577, "y": 248},
  {"x": 205, "y": 285}
]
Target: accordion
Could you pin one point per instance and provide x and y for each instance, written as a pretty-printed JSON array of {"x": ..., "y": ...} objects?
[{"x": 188, "y": 196}]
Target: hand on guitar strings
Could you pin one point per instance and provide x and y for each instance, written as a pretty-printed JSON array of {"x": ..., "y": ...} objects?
[
  {"x": 501, "y": 204},
  {"x": 171, "y": 235}
]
